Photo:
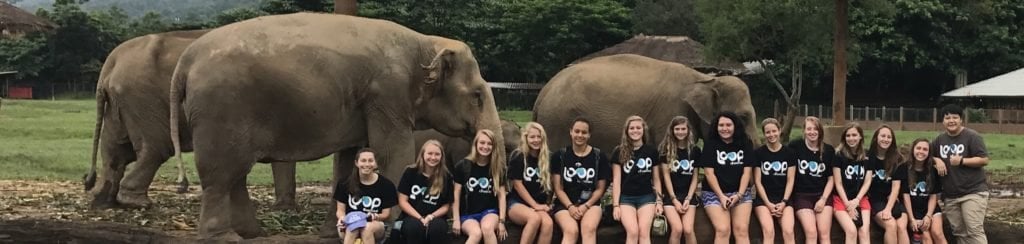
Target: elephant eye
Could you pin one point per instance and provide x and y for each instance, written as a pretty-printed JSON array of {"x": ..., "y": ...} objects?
[{"x": 478, "y": 98}]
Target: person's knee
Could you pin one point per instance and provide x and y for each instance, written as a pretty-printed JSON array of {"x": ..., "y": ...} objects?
[
  {"x": 472, "y": 232},
  {"x": 676, "y": 228},
  {"x": 570, "y": 231},
  {"x": 488, "y": 229},
  {"x": 740, "y": 230}
]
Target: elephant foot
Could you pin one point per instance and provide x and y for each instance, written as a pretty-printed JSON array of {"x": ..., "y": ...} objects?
[
  {"x": 134, "y": 200},
  {"x": 285, "y": 205},
  {"x": 250, "y": 232},
  {"x": 224, "y": 237},
  {"x": 100, "y": 203}
]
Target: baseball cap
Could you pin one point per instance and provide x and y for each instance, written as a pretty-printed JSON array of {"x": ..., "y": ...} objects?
[{"x": 355, "y": 220}]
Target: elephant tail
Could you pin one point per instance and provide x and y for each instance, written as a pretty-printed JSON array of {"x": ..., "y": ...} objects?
[
  {"x": 177, "y": 88},
  {"x": 101, "y": 109}
]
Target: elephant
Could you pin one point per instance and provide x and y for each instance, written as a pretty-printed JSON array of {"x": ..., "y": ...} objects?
[
  {"x": 301, "y": 86},
  {"x": 608, "y": 89},
  {"x": 132, "y": 114},
  {"x": 456, "y": 148}
]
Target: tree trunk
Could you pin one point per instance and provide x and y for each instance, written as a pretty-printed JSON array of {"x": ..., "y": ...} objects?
[
  {"x": 839, "y": 65},
  {"x": 348, "y": 7},
  {"x": 787, "y": 123}
]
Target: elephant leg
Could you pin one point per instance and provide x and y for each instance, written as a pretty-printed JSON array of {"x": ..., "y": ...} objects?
[
  {"x": 222, "y": 169},
  {"x": 284, "y": 185},
  {"x": 243, "y": 212},
  {"x": 115, "y": 159},
  {"x": 135, "y": 186},
  {"x": 344, "y": 163}
]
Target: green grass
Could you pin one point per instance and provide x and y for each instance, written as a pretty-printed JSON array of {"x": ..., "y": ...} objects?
[{"x": 51, "y": 140}]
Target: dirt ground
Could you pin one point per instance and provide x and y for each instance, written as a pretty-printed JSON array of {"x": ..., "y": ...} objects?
[{"x": 58, "y": 212}]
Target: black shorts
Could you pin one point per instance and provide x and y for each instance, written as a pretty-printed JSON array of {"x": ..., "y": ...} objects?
[
  {"x": 807, "y": 200},
  {"x": 878, "y": 205},
  {"x": 772, "y": 196}
]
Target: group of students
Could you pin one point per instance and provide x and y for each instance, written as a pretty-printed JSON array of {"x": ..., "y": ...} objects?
[{"x": 806, "y": 179}]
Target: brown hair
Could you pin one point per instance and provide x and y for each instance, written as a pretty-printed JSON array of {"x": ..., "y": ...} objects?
[
  {"x": 892, "y": 154},
  {"x": 669, "y": 143},
  {"x": 626, "y": 144},
  {"x": 911, "y": 177},
  {"x": 855, "y": 152},
  {"x": 353, "y": 179}
]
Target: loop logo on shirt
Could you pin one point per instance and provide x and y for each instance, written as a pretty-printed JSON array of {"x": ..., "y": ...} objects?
[
  {"x": 579, "y": 174},
  {"x": 684, "y": 166},
  {"x": 854, "y": 172},
  {"x": 811, "y": 167},
  {"x": 529, "y": 173},
  {"x": 918, "y": 190},
  {"x": 952, "y": 149},
  {"x": 732, "y": 158},
  {"x": 880, "y": 174},
  {"x": 479, "y": 184},
  {"x": 421, "y": 191},
  {"x": 365, "y": 203},
  {"x": 642, "y": 165},
  {"x": 777, "y": 168}
]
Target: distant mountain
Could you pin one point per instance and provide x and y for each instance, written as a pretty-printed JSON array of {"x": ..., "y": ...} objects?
[{"x": 169, "y": 9}]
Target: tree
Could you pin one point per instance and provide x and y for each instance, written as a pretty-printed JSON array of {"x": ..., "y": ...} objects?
[
  {"x": 349, "y": 7},
  {"x": 783, "y": 36},
  {"x": 666, "y": 17}
]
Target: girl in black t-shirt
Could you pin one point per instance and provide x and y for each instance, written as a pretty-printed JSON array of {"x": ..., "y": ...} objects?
[
  {"x": 774, "y": 178},
  {"x": 813, "y": 182},
  {"x": 885, "y": 208},
  {"x": 479, "y": 193},
  {"x": 582, "y": 176},
  {"x": 636, "y": 189},
  {"x": 678, "y": 155},
  {"x": 425, "y": 196},
  {"x": 727, "y": 161},
  {"x": 368, "y": 192},
  {"x": 852, "y": 175},
  {"x": 530, "y": 174},
  {"x": 921, "y": 192}
]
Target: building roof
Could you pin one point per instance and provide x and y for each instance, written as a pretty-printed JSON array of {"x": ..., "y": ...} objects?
[
  {"x": 515, "y": 86},
  {"x": 679, "y": 49},
  {"x": 14, "y": 21},
  {"x": 1006, "y": 85}
]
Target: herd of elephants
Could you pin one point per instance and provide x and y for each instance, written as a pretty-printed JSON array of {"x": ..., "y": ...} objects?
[{"x": 299, "y": 87}]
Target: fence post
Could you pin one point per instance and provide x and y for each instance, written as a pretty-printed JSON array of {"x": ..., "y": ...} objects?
[
  {"x": 867, "y": 114},
  {"x": 820, "y": 113},
  {"x": 901, "y": 118},
  {"x": 935, "y": 118},
  {"x": 805, "y": 109},
  {"x": 1000, "y": 120},
  {"x": 883, "y": 114},
  {"x": 851, "y": 112}
]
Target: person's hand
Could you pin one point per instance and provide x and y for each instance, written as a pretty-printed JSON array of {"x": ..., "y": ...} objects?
[
  {"x": 939, "y": 166},
  {"x": 926, "y": 223},
  {"x": 426, "y": 220},
  {"x": 679, "y": 206},
  {"x": 819, "y": 206},
  {"x": 724, "y": 201},
  {"x": 956, "y": 159},
  {"x": 542, "y": 208},
  {"x": 502, "y": 232},
  {"x": 615, "y": 213},
  {"x": 659, "y": 208},
  {"x": 916, "y": 226},
  {"x": 457, "y": 227},
  {"x": 885, "y": 214},
  {"x": 734, "y": 200},
  {"x": 779, "y": 208},
  {"x": 853, "y": 212},
  {"x": 341, "y": 225}
]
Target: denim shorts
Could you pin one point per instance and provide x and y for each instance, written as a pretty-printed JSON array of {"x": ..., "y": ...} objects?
[
  {"x": 477, "y": 216},
  {"x": 711, "y": 199},
  {"x": 636, "y": 201}
]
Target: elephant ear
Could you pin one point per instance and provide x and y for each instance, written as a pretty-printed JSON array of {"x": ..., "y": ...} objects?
[
  {"x": 703, "y": 98},
  {"x": 438, "y": 69}
]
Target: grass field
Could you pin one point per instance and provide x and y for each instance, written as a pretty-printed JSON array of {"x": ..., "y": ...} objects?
[{"x": 51, "y": 140}]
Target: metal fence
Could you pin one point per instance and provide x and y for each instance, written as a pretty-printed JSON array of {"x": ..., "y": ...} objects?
[{"x": 984, "y": 120}]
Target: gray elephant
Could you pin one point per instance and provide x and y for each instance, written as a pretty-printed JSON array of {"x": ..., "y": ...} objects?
[
  {"x": 132, "y": 117},
  {"x": 301, "y": 86},
  {"x": 456, "y": 148},
  {"x": 608, "y": 89}
]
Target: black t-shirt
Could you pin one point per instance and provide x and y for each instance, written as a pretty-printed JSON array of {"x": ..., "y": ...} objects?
[
  {"x": 529, "y": 175},
  {"x": 477, "y": 188},
  {"x": 580, "y": 174},
  {"x": 682, "y": 170},
  {"x": 417, "y": 187},
  {"x": 881, "y": 182},
  {"x": 637, "y": 173},
  {"x": 919, "y": 191},
  {"x": 729, "y": 161},
  {"x": 813, "y": 168},
  {"x": 774, "y": 169},
  {"x": 853, "y": 173},
  {"x": 371, "y": 198}
]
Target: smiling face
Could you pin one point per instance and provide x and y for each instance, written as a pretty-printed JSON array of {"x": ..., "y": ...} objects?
[
  {"x": 534, "y": 139},
  {"x": 852, "y": 137},
  {"x": 884, "y": 138},
  {"x": 680, "y": 131},
  {"x": 811, "y": 132},
  {"x": 771, "y": 133},
  {"x": 921, "y": 151},
  {"x": 953, "y": 123},
  {"x": 726, "y": 128},
  {"x": 635, "y": 130},
  {"x": 484, "y": 145},
  {"x": 431, "y": 155},
  {"x": 580, "y": 133},
  {"x": 366, "y": 163}
]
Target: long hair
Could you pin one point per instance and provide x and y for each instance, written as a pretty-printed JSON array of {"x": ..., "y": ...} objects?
[
  {"x": 669, "y": 143},
  {"x": 626, "y": 144},
  {"x": 739, "y": 134},
  {"x": 855, "y": 152},
  {"x": 436, "y": 175},
  {"x": 911, "y": 176},
  {"x": 353, "y": 179},
  {"x": 817, "y": 127},
  {"x": 497, "y": 166},
  {"x": 543, "y": 155},
  {"x": 770, "y": 121},
  {"x": 892, "y": 154}
]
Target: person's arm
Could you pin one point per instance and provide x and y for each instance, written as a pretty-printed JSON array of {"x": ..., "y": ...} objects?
[
  {"x": 403, "y": 203},
  {"x": 560, "y": 194},
  {"x": 909, "y": 206},
  {"x": 744, "y": 181},
  {"x": 502, "y": 207},
  {"x": 761, "y": 190},
  {"x": 693, "y": 186},
  {"x": 524, "y": 194},
  {"x": 977, "y": 148},
  {"x": 657, "y": 184},
  {"x": 893, "y": 195},
  {"x": 709, "y": 174},
  {"x": 666, "y": 173},
  {"x": 439, "y": 212},
  {"x": 616, "y": 184},
  {"x": 867, "y": 185},
  {"x": 790, "y": 182},
  {"x": 828, "y": 190},
  {"x": 932, "y": 201},
  {"x": 341, "y": 211},
  {"x": 597, "y": 195},
  {"x": 456, "y": 202},
  {"x": 837, "y": 178}
]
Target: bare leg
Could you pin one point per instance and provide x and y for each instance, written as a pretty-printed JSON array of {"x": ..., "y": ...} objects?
[
  {"x": 722, "y": 223},
  {"x": 569, "y": 226},
  {"x": 741, "y": 222},
  {"x": 675, "y": 224},
  {"x": 546, "y": 228},
  {"x": 764, "y": 216},
  {"x": 589, "y": 223},
  {"x": 628, "y": 218},
  {"x": 824, "y": 222},
  {"x": 786, "y": 222},
  {"x": 645, "y": 219},
  {"x": 489, "y": 228},
  {"x": 471, "y": 228},
  {"x": 808, "y": 221},
  {"x": 849, "y": 229},
  {"x": 520, "y": 214}
]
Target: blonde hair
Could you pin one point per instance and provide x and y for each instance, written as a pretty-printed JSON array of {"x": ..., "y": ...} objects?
[
  {"x": 669, "y": 143},
  {"x": 855, "y": 152},
  {"x": 770, "y": 121},
  {"x": 817, "y": 127},
  {"x": 437, "y": 175},
  {"x": 497, "y": 165},
  {"x": 543, "y": 155},
  {"x": 626, "y": 145}
]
